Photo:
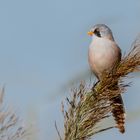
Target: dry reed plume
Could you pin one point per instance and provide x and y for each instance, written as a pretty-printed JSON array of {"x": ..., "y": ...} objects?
[
  {"x": 87, "y": 107},
  {"x": 10, "y": 128}
]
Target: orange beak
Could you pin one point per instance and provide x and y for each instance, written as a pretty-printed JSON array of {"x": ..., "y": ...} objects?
[{"x": 90, "y": 33}]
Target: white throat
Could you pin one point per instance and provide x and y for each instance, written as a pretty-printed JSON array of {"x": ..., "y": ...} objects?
[{"x": 94, "y": 37}]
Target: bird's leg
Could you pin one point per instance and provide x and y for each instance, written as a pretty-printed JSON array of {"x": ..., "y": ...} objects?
[{"x": 93, "y": 88}]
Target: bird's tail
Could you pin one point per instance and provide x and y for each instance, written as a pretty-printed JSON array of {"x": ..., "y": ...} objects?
[{"x": 118, "y": 113}]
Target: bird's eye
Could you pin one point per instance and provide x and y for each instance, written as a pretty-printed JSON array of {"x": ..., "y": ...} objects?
[{"x": 97, "y": 32}]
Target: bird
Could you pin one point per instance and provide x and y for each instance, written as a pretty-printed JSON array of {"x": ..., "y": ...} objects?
[{"x": 103, "y": 54}]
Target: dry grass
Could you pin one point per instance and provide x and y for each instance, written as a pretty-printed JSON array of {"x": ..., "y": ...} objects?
[
  {"x": 10, "y": 127},
  {"x": 86, "y": 108}
]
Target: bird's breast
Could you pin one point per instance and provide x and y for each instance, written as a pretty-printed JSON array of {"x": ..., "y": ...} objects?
[{"x": 103, "y": 55}]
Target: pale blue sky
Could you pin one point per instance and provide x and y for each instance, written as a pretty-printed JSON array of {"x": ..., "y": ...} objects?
[{"x": 43, "y": 46}]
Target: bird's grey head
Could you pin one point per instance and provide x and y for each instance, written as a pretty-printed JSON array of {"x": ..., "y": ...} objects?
[{"x": 101, "y": 31}]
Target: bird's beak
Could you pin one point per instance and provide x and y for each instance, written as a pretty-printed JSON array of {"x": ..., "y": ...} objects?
[{"x": 90, "y": 33}]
